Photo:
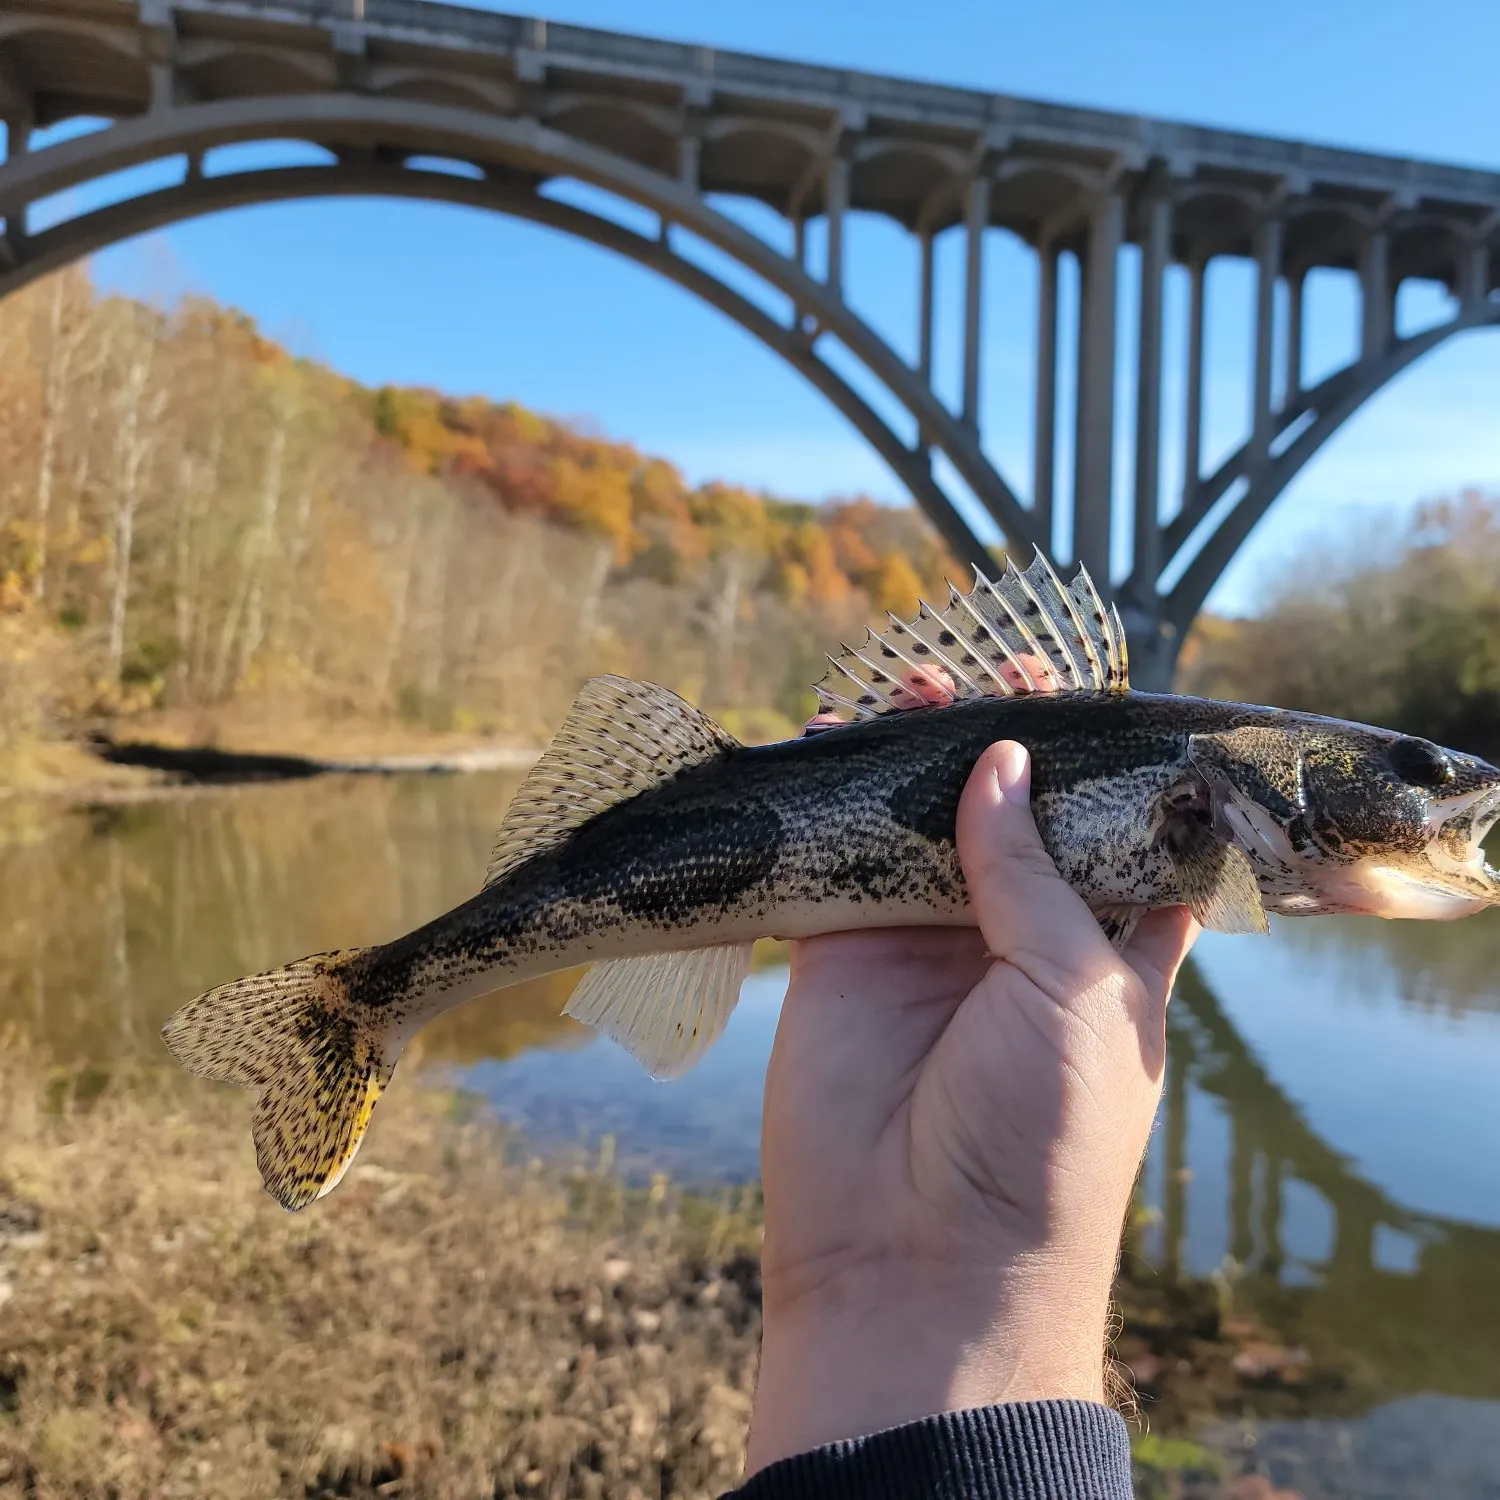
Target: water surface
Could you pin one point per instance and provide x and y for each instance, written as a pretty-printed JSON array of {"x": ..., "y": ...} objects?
[{"x": 1329, "y": 1144}]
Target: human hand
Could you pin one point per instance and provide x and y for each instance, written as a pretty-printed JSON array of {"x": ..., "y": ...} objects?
[{"x": 954, "y": 1121}]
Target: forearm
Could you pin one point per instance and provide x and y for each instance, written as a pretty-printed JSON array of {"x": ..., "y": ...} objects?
[{"x": 868, "y": 1351}]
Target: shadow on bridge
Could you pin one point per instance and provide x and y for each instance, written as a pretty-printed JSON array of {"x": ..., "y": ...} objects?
[{"x": 1429, "y": 1326}]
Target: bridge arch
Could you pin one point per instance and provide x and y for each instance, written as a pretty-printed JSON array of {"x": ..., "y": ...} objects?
[
  {"x": 97, "y": 230},
  {"x": 372, "y": 137},
  {"x": 1302, "y": 429}
]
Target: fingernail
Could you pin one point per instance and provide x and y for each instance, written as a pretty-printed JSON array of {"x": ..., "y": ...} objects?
[{"x": 1013, "y": 772}]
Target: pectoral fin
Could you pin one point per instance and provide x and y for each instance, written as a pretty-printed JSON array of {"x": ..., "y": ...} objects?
[
  {"x": 1216, "y": 879},
  {"x": 1119, "y": 922}
]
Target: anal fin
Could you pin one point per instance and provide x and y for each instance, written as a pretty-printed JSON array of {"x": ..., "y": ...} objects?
[
  {"x": 1216, "y": 879},
  {"x": 665, "y": 1009}
]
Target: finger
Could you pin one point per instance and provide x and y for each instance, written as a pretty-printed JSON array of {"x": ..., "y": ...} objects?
[
  {"x": 819, "y": 722},
  {"x": 1028, "y": 913},
  {"x": 1158, "y": 947},
  {"x": 1029, "y": 674},
  {"x": 1156, "y": 952},
  {"x": 890, "y": 967}
]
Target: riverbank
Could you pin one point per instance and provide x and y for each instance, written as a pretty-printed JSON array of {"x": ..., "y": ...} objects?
[
  {"x": 133, "y": 766},
  {"x": 162, "y": 753},
  {"x": 456, "y": 1319}
]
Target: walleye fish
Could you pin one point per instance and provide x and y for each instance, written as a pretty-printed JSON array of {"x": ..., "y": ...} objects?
[{"x": 649, "y": 842}]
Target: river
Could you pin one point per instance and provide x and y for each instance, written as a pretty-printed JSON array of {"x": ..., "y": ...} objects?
[{"x": 1329, "y": 1145}]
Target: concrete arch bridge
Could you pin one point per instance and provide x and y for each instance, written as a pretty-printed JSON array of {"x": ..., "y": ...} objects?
[{"x": 436, "y": 101}]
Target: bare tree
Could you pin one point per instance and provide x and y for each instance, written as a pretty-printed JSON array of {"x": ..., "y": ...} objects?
[
  {"x": 406, "y": 564},
  {"x": 67, "y": 328},
  {"x": 261, "y": 551},
  {"x": 139, "y": 413}
]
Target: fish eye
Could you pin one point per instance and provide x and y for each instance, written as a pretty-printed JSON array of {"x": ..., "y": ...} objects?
[{"x": 1421, "y": 763}]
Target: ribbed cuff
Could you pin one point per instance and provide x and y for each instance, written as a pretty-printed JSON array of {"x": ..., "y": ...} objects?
[{"x": 1027, "y": 1450}]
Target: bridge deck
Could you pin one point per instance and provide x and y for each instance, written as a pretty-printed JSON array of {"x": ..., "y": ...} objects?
[{"x": 752, "y": 126}]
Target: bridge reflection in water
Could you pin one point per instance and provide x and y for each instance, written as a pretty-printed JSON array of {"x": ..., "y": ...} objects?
[{"x": 1412, "y": 1298}]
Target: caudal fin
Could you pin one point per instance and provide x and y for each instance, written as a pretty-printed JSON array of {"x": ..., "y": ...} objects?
[{"x": 316, "y": 1066}]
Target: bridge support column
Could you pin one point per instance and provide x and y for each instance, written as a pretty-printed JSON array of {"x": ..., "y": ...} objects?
[
  {"x": 978, "y": 217},
  {"x": 16, "y": 112},
  {"x": 159, "y": 31},
  {"x": 1154, "y": 644},
  {"x": 1268, "y": 268},
  {"x": 18, "y": 128},
  {"x": 1044, "y": 455},
  {"x": 924, "y": 334},
  {"x": 1294, "y": 285},
  {"x": 689, "y": 156},
  {"x": 1156, "y": 247},
  {"x": 1193, "y": 430},
  {"x": 838, "y": 203},
  {"x": 1093, "y": 488},
  {"x": 1474, "y": 275},
  {"x": 1375, "y": 295}
]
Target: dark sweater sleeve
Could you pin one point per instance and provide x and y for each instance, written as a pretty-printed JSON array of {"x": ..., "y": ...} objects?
[{"x": 1029, "y": 1450}]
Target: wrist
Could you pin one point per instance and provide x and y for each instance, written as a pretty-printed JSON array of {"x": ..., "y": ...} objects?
[{"x": 875, "y": 1347}]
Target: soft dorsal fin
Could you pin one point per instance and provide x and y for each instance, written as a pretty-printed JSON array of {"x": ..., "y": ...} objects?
[
  {"x": 619, "y": 738},
  {"x": 1025, "y": 634}
]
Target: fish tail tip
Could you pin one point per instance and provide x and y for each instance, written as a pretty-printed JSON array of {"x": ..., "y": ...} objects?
[{"x": 316, "y": 1065}]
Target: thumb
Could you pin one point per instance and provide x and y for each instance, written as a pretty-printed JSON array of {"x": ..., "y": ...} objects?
[{"x": 1029, "y": 915}]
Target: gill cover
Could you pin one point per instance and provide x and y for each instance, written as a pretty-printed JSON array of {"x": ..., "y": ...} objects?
[
  {"x": 1349, "y": 818},
  {"x": 1215, "y": 875}
]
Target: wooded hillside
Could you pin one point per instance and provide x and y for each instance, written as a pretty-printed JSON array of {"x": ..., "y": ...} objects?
[{"x": 192, "y": 518}]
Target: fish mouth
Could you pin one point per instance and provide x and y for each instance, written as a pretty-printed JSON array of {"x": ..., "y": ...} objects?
[
  {"x": 1459, "y": 827},
  {"x": 1449, "y": 878}
]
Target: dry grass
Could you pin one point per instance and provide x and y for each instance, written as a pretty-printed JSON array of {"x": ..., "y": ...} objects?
[
  {"x": 62, "y": 768},
  {"x": 447, "y": 1324},
  {"x": 455, "y": 1320}
]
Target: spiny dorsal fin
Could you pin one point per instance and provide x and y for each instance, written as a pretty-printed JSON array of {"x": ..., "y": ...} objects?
[
  {"x": 1025, "y": 634},
  {"x": 619, "y": 738}
]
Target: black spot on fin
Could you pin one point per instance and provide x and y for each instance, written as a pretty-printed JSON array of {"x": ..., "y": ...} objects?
[
  {"x": 1119, "y": 922},
  {"x": 1215, "y": 877}
]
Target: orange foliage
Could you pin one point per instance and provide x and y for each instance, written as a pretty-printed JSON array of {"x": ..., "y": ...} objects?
[{"x": 662, "y": 528}]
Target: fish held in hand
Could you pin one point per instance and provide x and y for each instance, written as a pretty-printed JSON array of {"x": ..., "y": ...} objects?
[{"x": 649, "y": 843}]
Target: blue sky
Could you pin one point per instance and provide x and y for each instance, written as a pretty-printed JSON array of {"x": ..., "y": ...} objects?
[{"x": 469, "y": 302}]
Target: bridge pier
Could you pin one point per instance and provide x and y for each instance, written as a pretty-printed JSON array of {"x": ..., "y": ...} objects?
[
  {"x": 673, "y": 129},
  {"x": 1154, "y": 646},
  {"x": 1044, "y": 442}
]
